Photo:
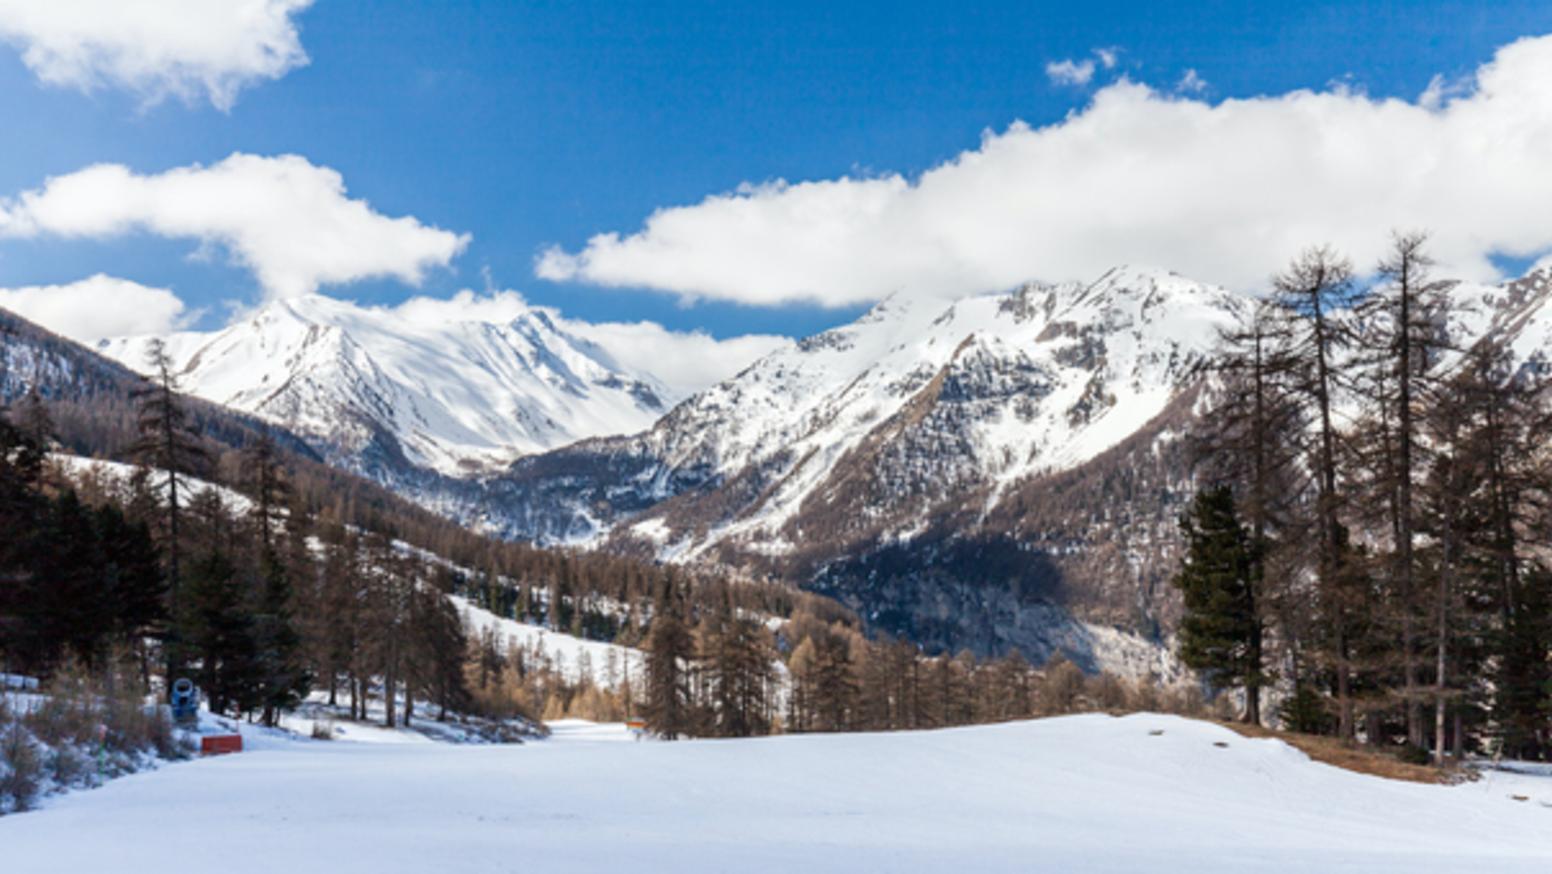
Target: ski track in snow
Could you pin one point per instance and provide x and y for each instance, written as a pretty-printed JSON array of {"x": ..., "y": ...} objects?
[{"x": 1077, "y": 794}]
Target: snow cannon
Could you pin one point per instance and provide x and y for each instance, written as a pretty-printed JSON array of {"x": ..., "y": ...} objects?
[{"x": 184, "y": 701}]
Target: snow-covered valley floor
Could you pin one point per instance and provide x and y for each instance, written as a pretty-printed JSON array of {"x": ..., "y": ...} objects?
[{"x": 1076, "y": 794}]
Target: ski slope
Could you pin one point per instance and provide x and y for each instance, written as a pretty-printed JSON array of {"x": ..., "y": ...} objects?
[{"x": 1077, "y": 794}]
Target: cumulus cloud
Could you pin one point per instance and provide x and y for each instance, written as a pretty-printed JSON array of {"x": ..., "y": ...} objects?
[
  {"x": 1070, "y": 72},
  {"x": 190, "y": 49},
  {"x": 685, "y": 362},
  {"x": 1191, "y": 83},
  {"x": 1108, "y": 56},
  {"x": 287, "y": 220},
  {"x": 98, "y": 307},
  {"x": 1225, "y": 192}
]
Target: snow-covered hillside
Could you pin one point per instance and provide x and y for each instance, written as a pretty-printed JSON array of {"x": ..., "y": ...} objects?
[
  {"x": 606, "y": 665},
  {"x": 930, "y": 399},
  {"x": 977, "y": 393},
  {"x": 452, "y": 392},
  {"x": 1076, "y": 794}
]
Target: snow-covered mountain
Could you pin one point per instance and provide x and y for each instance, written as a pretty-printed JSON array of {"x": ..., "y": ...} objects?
[
  {"x": 912, "y": 437},
  {"x": 373, "y": 386},
  {"x": 938, "y": 396},
  {"x": 1000, "y": 470}
]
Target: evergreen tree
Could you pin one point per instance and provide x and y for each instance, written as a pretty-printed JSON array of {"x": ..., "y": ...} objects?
[
  {"x": 740, "y": 656},
  {"x": 670, "y": 651},
  {"x": 220, "y": 634},
  {"x": 284, "y": 678},
  {"x": 1250, "y": 438},
  {"x": 22, "y": 539},
  {"x": 1221, "y": 631},
  {"x": 135, "y": 583},
  {"x": 166, "y": 443}
]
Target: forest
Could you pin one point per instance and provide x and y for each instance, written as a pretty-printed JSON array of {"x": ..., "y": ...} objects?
[
  {"x": 1369, "y": 545},
  {"x": 228, "y": 557},
  {"x": 1365, "y": 555}
]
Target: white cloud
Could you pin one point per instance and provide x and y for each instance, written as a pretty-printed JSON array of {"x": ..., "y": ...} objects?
[
  {"x": 1070, "y": 72},
  {"x": 287, "y": 220},
  {"x": 1191, "y": 83},
  {"x": 97, "y": 307},
  {"x": 686, "y": 362},
  {"x": 1225, "y": 192},
  {"x": 156, "y": 48},
  {"x": 465, "y": 306},
  {"x": 1108, "y": 56}
]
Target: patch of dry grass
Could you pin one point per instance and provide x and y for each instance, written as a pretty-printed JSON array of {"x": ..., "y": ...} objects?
[{"x": 1360, "y": 759}]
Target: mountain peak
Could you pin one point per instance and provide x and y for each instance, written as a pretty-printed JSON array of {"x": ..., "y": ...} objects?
[{"x": 452, "y": 394}]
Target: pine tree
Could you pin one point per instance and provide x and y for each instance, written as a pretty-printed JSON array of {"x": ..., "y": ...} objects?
[
  {"x": 284, "y": 678},
  {"x": 1512, "y": 421},
  {"x": 134, "y": 580},
  {"x": 21, "y": 541},
  {"x": 218, "y": 624},
  {"x": 740, "y": 657},
  {"x": 1221, "y": 631},
  {"x": 670, "y": 651},
  {"x": 166, "y": 443},
  {"x": 1249, "y": 439}
]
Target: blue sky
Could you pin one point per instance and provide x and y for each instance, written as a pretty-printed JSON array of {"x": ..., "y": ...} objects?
[{"x": 530, "y": 125}]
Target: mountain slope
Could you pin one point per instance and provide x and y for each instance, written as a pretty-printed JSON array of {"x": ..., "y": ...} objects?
[
  {"x": 932, "y": 397},
  {"x": 879, "y": 462},
  {"x": 374, "y": 390}
]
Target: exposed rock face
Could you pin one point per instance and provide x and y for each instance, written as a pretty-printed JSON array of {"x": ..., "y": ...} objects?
[
  {"x": 999, "y": 471},
  {"x": 962, "y": 473}
]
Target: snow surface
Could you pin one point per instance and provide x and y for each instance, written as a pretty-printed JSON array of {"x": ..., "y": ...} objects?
[
  {"x": 460, "y": 395},
  {"x": 118, "y": 473},
  {"x": 1078, "y": 794},
  {"x": 605, "y": 664},
  {"x": 1062, "y": 373}
]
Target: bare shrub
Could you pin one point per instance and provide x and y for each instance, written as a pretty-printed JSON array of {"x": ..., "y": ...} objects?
[
  {"x": 1144, "y": 697},
  {"x": 1060, "y": 689},
  {"x": 68, "y": 766},
  {"x": 1107, "y": 692},
  {"x": 1184, "y": 700},
  {"x": 69, "y": 712},
  {"x": 21, "y": 768}
]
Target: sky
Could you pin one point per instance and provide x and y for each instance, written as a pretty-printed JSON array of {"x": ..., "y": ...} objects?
[{"x": 742, "y": 168}]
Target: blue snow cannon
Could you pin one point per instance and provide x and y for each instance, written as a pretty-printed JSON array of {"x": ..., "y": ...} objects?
[{"x": 184, "y": 701}]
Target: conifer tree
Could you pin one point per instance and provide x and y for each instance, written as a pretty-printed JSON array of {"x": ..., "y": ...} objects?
[
  {"x": 1309, "y": 296},
  {"x": 1402, "y": 342},
  {"x": 1221, "y": 631},
  {"x": 219, "y": 627},
  {"x": 166, "y": 443},
  {"x": 740, "y": 657},
  {"x": 21, "y": 540},
  {"x": 670, "y": 651}
]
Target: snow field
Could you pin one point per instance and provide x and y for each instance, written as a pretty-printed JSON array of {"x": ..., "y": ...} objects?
[{"x": 1077, "y": 794}]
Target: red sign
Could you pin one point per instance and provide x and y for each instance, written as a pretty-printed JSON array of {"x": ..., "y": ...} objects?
[{"x": 218, "y": 744}]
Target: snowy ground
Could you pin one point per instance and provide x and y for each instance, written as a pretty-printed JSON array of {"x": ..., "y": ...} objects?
[{"x": 1077, "y": 794}]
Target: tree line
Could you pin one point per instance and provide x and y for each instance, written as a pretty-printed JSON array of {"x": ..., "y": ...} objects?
[
  {"x": 1370, "y": 538},
  {"x": 712, "y": 670}
]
